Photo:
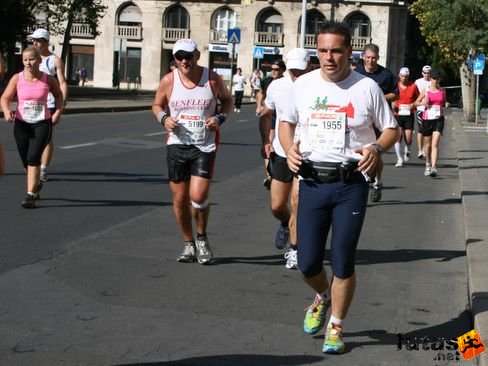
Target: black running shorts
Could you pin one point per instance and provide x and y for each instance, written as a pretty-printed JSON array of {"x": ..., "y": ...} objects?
[
  {"x": 187, "y": 160},
  {"x": 431, "y": 125},
  {"x": 405, "y": 122},
  {"x": 278, "y": 168}
]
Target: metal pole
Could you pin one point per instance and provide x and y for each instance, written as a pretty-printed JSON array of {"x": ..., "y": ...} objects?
[
  {"x": 477, "y": 99},
  {"x": 303, "y": 24},
  {"x": 232, "y": 66}
]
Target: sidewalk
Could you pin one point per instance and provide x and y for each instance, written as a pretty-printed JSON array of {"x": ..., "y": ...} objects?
[
  {"x": 97, "y": 100},
  {"x": 472, "y": 149}
]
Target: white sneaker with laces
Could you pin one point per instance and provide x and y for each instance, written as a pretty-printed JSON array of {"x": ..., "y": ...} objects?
[
  {"x": 204, "y": 254},
  {"x": 291, "y": 259},
  {"x": 188, "y": 253}
]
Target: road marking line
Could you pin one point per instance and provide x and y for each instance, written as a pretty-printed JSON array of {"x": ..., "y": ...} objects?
[
  {"x": 77, "y": 146},
  {"x": 156, "y": 133}
]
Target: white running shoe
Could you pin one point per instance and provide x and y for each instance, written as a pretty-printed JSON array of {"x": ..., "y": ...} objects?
[
  {"x": 428, "y": 170},
  {"x": 406, "y": 156},
  {"x": 188, "y": 254},
  {"x": 399, "y": 163},
  {"x": 291, "y": 259},
  {"x": 204, "y": 254}
]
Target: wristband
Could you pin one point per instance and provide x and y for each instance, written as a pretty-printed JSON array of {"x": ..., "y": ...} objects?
[
  {"x": 162, "y": 117},
  {"x": 220, "y": 118}
]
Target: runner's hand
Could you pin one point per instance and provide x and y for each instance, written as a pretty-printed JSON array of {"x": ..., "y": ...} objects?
[
  {"x": 212, "y": 123},
  {"x": 294, "y": 158},
  {"x": 170, "y": 124},
  {"x": 370, "y": 159}
]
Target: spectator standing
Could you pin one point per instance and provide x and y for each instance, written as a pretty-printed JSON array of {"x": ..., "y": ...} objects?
[
  {"x": 255, "y": 81},
  {"x": 83, "y": 76},
  {"x": 238, "y": 81}
]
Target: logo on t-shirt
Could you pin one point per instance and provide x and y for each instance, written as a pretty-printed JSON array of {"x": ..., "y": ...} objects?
[{"x": 322, "y": 105}]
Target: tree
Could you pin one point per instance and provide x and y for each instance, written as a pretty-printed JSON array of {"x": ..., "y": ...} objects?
[
  {"x": 15, "y": 18},
  {"x": 61, "y": 14},
  {"x": 458, "y": 28}
]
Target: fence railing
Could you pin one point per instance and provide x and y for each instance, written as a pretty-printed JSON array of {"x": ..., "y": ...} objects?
[
  {"x": 268, "y": 38},
  {"x": 174, "y": 34},
  {"x": 129, "y": 32}
]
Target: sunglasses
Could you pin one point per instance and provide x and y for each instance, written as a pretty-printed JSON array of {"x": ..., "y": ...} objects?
[
  {"x": 184, "y": 56},
  {"x": 275, "y": 69}
]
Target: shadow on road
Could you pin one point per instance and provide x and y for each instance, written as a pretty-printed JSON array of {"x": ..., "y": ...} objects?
[{"x": 236, "y": 360}]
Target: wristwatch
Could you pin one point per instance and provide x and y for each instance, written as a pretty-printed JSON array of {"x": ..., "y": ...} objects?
[{"x": 378, "y": 148}]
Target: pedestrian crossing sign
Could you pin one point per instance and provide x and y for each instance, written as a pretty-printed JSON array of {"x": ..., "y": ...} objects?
[
  {"x": 258, "y": 52},
  {"x": 234, "y": 35}
]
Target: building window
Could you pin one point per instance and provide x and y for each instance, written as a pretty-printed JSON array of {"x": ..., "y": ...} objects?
[
  {"x": 359, "y": 25},
  {"x": 314, "y": 19},
  {"x": 177, "y": 17},
  {"x": 224, "y": 19},
  {"x": 130, "y": 65},
  {"x": 270, "y": 21}
]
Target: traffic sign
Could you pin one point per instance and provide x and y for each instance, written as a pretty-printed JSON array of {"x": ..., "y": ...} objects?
[
  {"x": 258, "y": 52},
  {"x": 234, "y": 35},
  {"x": 478, "y": 66}
]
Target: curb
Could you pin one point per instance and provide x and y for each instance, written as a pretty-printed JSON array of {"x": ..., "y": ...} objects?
[{"x": 109, "y": 109}]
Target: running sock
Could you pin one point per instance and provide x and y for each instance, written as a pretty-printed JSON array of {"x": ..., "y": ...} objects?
[
  {"x": 30, "y": 193},
  {"x": 325, "y": 296},
  {"x": 201, "y": 236},
  {"x": 293, "y": 246},
  {"x": 398, "y": 150},
  {"x": 335, "y": 320},
  {"x": 43, "y": 167}
]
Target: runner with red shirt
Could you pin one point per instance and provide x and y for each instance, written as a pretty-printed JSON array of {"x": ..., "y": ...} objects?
[{"x": 404, "y": 110}]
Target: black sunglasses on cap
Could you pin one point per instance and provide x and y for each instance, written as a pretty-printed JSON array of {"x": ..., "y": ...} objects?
[{"x": 180, "y": 56}]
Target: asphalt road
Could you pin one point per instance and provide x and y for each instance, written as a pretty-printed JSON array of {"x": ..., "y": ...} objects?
[{"x": 90, "y": 277}]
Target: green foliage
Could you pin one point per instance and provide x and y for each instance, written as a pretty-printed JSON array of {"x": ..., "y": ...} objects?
[
  {"x": 15, "y": 18},
  {"x": 453, "y": 26},
  {"x": 61, "y": 12}
]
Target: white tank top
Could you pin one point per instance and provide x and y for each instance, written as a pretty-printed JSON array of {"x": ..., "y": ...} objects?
[
  {"x": 47, "y": 66},
  {"x": 191, "y": 107}
]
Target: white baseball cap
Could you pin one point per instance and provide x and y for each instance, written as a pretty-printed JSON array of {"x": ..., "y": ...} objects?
[
  {"x": 185, "y": 44},
  {"x": 40, "y": 33},
  {"x": 404, "y": 71},
  {"x": 297, "y": 58},
  {"x": 426, "y": 68}
]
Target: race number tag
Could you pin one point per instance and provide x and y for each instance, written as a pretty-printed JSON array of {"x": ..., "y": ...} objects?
[
  {"x": 33, "y": 111},
  {"x": 433, "y": 112},
  {"x": 193, "y": 131},
  {"x": 404, "y": 110},
  {"x": 327, "y": 131}
]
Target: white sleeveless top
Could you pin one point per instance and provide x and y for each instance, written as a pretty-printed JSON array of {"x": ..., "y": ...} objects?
[
  {"x": 47, "y": 67},
  {"x": 191, "y": 107}
]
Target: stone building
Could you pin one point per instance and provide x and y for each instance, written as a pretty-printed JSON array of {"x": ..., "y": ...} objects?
[{"x": 134, "y": 47}]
